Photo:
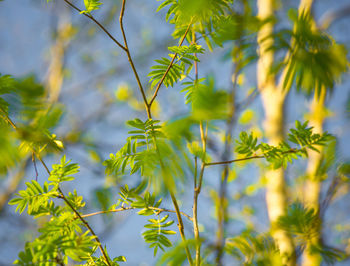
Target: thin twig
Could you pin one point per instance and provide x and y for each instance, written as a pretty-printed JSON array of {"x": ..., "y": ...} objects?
[
  {"x": 235, "y": 160},
  {"x": 62, "y": 196},
  {"x": 249, "y": 158},
  {"x": 197, "y": 191},
  {"x": 181, "y": 227},
  {"x": 169, "y": 67},
  {"x": 108, "y": 211},
  {"x": 98, "y": 23}
]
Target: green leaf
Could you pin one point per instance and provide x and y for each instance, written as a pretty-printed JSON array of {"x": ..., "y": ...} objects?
[
  {"x": 301, "y": 221},
  {"x": 35, "y": 197},
  {"x": 207, "y": 102},
  {"x": 63, "y": 172},
  {"x": 172, "y": 76},
  {"x": 155, "y": 235},
  {"x": 7, "y": 84},
  {"x": 315, "y": 60},
  {"x": 91, "y": 5},
  {"x": 252, "y": 249}
]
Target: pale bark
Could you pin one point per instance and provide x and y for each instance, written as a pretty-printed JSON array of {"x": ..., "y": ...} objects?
[
  {"x": 55, "y": 74},
  {"x": 273, "y": 98},
  {"x": 314, "y": 181},
  {"x": 54, "y": 83}
]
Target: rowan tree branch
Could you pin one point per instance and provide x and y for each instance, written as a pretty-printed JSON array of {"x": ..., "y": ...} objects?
[
  {"x": 121, "y": 16},
  {"x": 98, "y": 23}
]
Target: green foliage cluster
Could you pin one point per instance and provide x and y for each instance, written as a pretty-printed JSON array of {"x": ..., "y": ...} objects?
[
  {"x": 91, "y": 5},
  {"x": 139, "y": 152},
  {"x": 148, "y": 205},
  {"x": 254, "y": 249},
  {"x": 310, "y": 51},
  {"x": 279, "y": 156},
  {"x": 34, "y": 120},
  {"x": 182, "y": 65}
]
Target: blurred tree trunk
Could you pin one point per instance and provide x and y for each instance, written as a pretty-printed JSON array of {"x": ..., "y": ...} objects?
[
  {"x": 54, "y": 81},
  {"x": 55, "y": 74},
  {"x": 314, "y": 180},
  {"x": 273, "y": 97},
  {"x": 13, "y": 182}
]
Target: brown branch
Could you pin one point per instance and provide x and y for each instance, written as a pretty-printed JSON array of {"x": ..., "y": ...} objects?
[
  {"x": 181, "y": 227},
  {"x": 98, "y": 23},
  {"x": 169, "y": 67},
  {"x": 148, "y": 107}
]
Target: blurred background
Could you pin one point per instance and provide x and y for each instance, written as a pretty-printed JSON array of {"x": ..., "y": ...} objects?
[{"x": 86, "y": 72}]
